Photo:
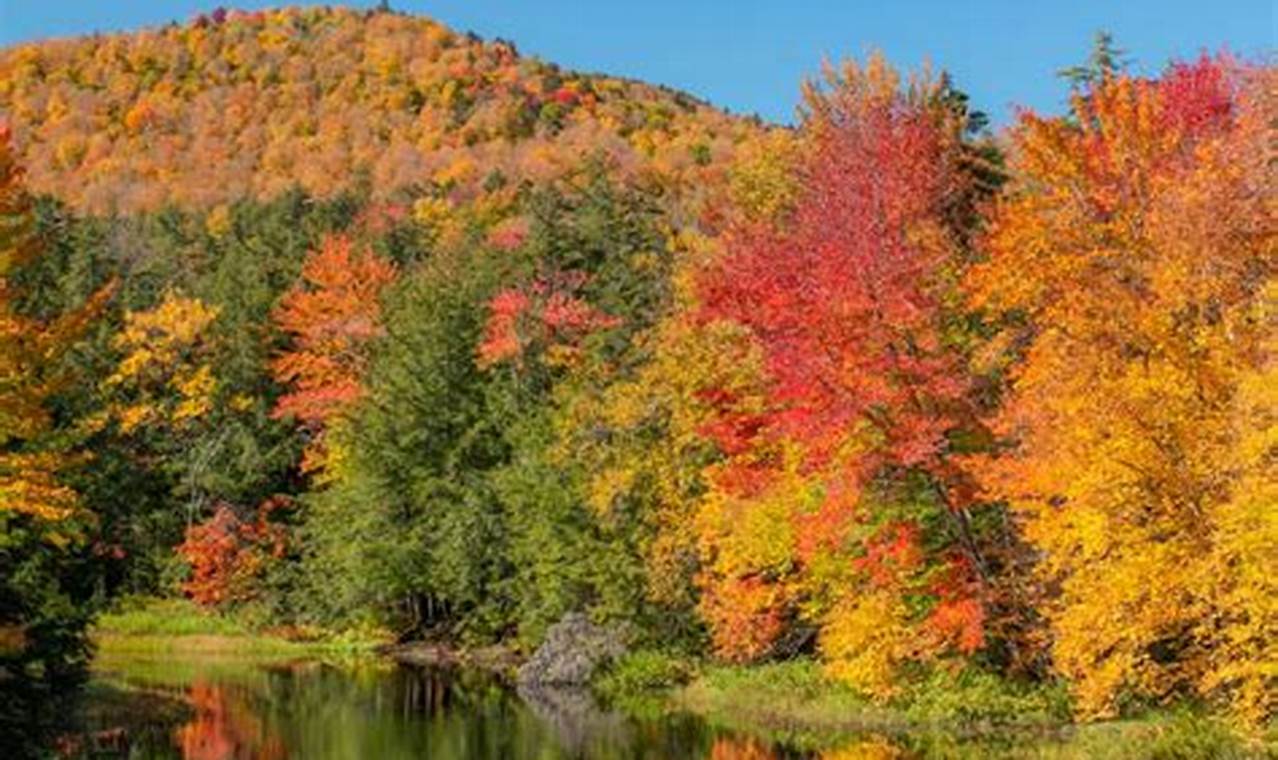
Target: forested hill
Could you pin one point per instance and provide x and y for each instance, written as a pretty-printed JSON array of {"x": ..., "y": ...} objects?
[
  {"x": 341, "y": 323},
  {"x": 234, "y": 104}
]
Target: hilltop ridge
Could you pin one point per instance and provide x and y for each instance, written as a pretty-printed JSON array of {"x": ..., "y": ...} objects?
[{"x": 236, "y": 104}]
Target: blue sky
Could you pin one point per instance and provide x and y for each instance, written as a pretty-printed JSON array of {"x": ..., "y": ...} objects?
[{"x": 749, "y": 55}]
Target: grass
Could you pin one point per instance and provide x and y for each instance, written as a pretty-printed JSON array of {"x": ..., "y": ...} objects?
[
  {"x": 968, "y": 714},
  {"x": 148, "y": 625},
  {"x": 790, "y": 702}
]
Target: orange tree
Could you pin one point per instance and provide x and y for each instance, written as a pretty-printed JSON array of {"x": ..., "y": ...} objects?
[
  {"x": 1133, "y": 268},
  {"x": 331, "y": 315}
]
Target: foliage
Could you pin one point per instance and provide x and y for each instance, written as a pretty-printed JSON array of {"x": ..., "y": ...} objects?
[
  {"x": 44, "y": 528},
  {"x": 1135, "y": 279},
  {"x": 409, "y": 528},
  {"x": 644, "y": 670},
  {"x": 255, "y": 103},
  {"x": 837, "y": 501},
  {"x": 331, "y": 315},
  {"x": 517, "y": 342},
  {"x": 164, "y": 376},
  {"x": 227, "y": 555}
]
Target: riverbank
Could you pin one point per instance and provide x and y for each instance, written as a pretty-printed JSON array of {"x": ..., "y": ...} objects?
[
  {"x": 178, "y": 626},
  {"x": 945, "y": 715},
  {"x": 968, "y": 714}
]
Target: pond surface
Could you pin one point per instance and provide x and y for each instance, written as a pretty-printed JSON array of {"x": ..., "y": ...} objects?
[{"x": 237, "y": 708}]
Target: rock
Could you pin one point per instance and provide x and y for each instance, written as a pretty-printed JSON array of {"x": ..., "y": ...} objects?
[{"x": 573, "y": 650}]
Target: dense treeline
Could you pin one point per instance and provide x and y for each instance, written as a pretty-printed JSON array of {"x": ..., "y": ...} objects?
[{"x": 891, "y": 390}]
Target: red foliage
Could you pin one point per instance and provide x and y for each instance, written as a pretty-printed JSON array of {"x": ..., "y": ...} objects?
[
  {"x": 564, "y": 96},
  {"x": 510, "y": 234},
  {"x": 958, "y": 618},
  {"x": 891, "y": 554},
  {"x": 846, "y": 299},
  {"x": 1198, "y": 97},
  {"x": 843, "y": 300},
  {"x": 227, "y": 554},
  {"x": 547, "y": 313}
]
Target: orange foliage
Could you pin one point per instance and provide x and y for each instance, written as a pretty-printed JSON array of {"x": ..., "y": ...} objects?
[
  {"x": 227, "y": 555},
  {"x": 331, "y": 315},
  {"x": 1141, "y": 249},
  {"x": 204, "y": 113}
]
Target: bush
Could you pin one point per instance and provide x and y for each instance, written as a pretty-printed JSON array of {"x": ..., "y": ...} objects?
[{"x": 645, "y": 670}]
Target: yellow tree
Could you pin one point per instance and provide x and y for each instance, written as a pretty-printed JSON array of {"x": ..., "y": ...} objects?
[
  {"x": 1132, "y": 260},
  {"x": 164, "y": 394},
  {"x": 28, "y": 355},
  {"x": 165, "y": 375},
  {"x": 40, "y": 517}
]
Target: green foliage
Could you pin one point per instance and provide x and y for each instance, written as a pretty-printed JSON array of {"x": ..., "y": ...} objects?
[
  {"x": 645, "y": 670},
  {"x": 449, "y": 507},
  {"x": 972, "y": 696}
]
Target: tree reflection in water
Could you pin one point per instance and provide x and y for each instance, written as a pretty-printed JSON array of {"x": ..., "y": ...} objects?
[
  {"x": 237, "y": 710},
  {"x": 212, "y": 708}
]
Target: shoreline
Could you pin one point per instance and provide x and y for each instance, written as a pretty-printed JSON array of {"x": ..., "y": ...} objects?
[{"x": 791, "y": 702}]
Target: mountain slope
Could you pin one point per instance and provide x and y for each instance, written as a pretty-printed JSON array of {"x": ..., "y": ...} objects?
[{"x": 237, "y": 104}]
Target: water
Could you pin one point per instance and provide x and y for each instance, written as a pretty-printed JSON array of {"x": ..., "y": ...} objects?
[
  {"x": 210, "y": 707},
  {"x": 236, "y": 708}
]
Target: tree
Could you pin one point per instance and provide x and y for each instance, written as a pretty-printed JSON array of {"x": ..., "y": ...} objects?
[
  {"x": 1131, "y": 267},
  {"x": 409, "y": 526},
  {"x": 1104, "y": 62},
  {"x": 330, "y": 315},
  {"x": 594, "y": 273},
  {"x": 838, "y": 500},
  {"x": 45, "y": 586},
  {"x": 228, "y": 555}
]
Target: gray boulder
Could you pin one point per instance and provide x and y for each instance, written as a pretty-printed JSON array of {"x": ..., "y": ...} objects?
[{"x": 573, "y": 650}]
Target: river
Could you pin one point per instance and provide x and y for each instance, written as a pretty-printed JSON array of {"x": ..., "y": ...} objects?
[{"x": 244, "y": 708}]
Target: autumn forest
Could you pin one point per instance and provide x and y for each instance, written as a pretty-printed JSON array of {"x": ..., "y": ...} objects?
[{"x": 341, "y": 321}]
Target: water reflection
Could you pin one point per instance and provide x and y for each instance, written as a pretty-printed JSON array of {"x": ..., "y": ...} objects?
[
  {"x": 232, "y": 709},
  {"x": 225, "y": 726}
]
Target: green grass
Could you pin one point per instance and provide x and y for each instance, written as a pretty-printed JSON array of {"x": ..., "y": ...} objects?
[
  {"x": 642, "y": 672},
  {"x": 148, "y": 625},
  {"x": 963, "y": 715},
  {"x": 791, "y": 702},
  {"x": 165, "y": 617}
]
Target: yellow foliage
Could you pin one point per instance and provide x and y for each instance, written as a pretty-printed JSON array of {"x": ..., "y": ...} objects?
[
  {"x": 165, "y": 376},
  {"x": 218, "y": 221},
  {"x": 864, "y": 639},
  {"x": 29, "y": 373},
  {"x": 1143, "y": 470},
  {"x": 29, "y": 485}
]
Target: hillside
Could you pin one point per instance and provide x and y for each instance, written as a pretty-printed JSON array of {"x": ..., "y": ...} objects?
[
  {"x": 233, "y": 104},
  {"x": 336, "y": 324}
]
